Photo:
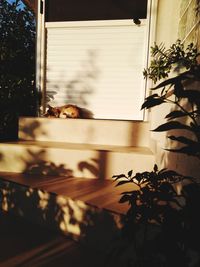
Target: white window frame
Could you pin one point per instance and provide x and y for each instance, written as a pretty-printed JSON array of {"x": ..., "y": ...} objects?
[{"x": 41, "y": 46}]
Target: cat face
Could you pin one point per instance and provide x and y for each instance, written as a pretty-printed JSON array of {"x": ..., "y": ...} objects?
[{"x": 69, "y": 111}]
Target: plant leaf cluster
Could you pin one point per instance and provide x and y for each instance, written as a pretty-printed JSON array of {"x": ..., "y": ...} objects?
[
  {"x": 153, "y": 192},
  {"x": 175, "y": 91},
  {"x": 17, "y": 58},
  {"x": 161, "y": 225},
  {"x": 18, "y": 95},
  {"x": 165, "y": 60}
]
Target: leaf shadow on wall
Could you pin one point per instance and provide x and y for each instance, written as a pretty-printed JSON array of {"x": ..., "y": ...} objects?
[{"x": 77, "y": 88}]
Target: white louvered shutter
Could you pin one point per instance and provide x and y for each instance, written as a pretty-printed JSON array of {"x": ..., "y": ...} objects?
[{"x": 97, "y": 66}]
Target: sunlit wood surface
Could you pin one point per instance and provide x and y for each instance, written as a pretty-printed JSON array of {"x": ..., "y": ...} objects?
[
  {"x": 23, "y": 244},
  {"x": 100, "y": 193}
]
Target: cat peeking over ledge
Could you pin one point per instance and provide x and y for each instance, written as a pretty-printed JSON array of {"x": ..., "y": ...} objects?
[{"x": 68, "y": 111}]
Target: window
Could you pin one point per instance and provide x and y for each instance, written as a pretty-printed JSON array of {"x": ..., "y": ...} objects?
[{"x": 97, "y": 64}]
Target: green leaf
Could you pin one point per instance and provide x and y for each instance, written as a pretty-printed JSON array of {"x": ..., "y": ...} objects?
[
  {"x": 173, "y": 80},
  {"x": 165, "y": 83},
  {"x": 149, "y": 103},
  {"x": 130, "y": 173},
  {"x": 175, "y": 114},
  {"x": 171, "y": 126},
  {"x": 152, "y": 96},
  {"x": 155, "y": 168}
]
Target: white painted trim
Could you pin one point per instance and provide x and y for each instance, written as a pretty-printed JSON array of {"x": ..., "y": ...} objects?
[
  {"x": 92, "y": 23},
  {"x": 151, "y": 22},
  {"x": 40, "y": 59},
  {"x": 38, "y": 48}
]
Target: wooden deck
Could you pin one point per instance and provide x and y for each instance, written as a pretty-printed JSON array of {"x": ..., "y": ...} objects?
[
  {"x": 96, "y": 192},
  {"x": 28, "y": 245}
]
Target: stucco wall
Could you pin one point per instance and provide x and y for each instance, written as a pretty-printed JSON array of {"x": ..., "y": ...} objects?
[
  {"x": 167, "y": 21},
  {"x": 167, "y": 32}
]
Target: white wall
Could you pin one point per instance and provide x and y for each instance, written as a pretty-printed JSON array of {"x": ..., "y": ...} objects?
[{"x": 167, "y": 32}]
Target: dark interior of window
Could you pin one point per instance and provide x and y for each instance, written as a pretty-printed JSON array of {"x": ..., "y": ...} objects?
[{"x": 80, "y": 10}]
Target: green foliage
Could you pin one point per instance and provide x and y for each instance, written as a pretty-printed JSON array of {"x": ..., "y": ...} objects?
[
  {"x": 153, "y": 191},
  {"x": 165, "y": 60},
  {"x": 17, "y": 63},
  {"x": 17, "y": 50},
  {"x": 159, "y": 225},
  {"x": 185, "y": 100}
]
